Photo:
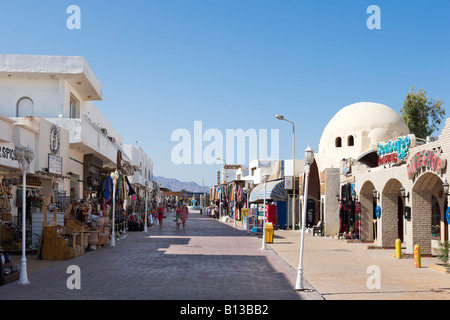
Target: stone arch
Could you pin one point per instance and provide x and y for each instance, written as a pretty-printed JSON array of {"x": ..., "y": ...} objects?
[
  {"x": 426, "y": 186},
  {"x": 389, "y": 224},
  {"x": 314, "y": 196},
  {"x": 367, "y": 211},
  {"x": 25, "y": 107}
]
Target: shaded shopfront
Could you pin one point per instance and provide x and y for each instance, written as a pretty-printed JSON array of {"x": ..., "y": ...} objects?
[{"x": 406, "y": 199}]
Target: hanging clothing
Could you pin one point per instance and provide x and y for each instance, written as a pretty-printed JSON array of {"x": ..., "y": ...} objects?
[
  {"x": 107, "y": 188},
  {"x": 130, "y": 188}
]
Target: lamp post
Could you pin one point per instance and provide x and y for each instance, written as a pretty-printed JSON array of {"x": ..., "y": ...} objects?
[
  {"x": 114, "y": 176},
  {"x": 234, "y": 209},
  {"x": 263, "y": 247},
  {"x": 247, "y": 192},
  {"x": 224, "y": 177},
  {"x": 146, "y": 191},
  {"x": 24, "y": 157},
  {"x": 309, "y": 158},
  {"x": 445, "y": 186},
  {"x": 280, "y": 117}
]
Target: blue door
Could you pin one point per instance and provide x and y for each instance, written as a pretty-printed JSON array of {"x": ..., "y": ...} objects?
[{"x": 281, "y": 215}]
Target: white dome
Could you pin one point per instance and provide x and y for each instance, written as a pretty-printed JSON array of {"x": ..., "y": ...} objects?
[{"x": 367, "y": 123}]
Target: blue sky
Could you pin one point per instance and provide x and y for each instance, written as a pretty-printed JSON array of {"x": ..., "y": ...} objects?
[{"x": 164, "y": 64}]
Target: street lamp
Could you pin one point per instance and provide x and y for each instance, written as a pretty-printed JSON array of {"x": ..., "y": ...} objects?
[
  {"x": 280, "y": 117},
  {"x": 224, "y": 176},
  {"x": 263, "y": 247},
  {"x": 309, "y": 158},
  {"x": 114, "y": 176},
  {"x": 247, "y": 192},
  {"x": 24, "y": 157},
  {"x": 406, "y": 195},
  {"x": 145, "y": 219}
]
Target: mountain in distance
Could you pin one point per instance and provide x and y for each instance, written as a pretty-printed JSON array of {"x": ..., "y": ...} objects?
[{"x": 176, "y": 185}]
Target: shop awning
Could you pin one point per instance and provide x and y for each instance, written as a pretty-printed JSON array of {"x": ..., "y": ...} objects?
[
  {"x": 274, "y": 191},
  {"x": 369, "y": 158}
]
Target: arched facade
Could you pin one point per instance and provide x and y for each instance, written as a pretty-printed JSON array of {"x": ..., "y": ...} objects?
[
  {"x": 416, "y": 216},
  {"x": 396, "y": 194},
  {"x": 428, "y": 186}
]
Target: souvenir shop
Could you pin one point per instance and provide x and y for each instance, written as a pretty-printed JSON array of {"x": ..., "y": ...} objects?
[
  {"x": 349, "y": 213},
  {"x": 275, "y": 196},
  {"x": 230, "y": 198}
]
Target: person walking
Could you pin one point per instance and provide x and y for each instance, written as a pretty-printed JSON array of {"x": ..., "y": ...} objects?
[
  {"x": 184, "y": 215},
  {"x": 178, "y": 215},
  {"x": 160, "y": 215}
]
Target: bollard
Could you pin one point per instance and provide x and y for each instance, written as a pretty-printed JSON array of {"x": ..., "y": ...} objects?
[
  {"x": 417, "y": 262},
  {"x": 398, "y": 249}
]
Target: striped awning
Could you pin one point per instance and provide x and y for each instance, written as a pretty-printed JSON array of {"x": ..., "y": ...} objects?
[{"x": 274, "y": 191}]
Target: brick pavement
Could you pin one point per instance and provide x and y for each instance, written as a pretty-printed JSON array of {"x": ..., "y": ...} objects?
[
  {"x": 223, "y": 262},
  {"x": 209, "y": 260},
  {"x": 340, "y": 270}
]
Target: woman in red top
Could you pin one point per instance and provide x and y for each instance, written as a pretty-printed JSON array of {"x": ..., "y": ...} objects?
[
  {"x": 184, "y": 215},
  {"x": 160, "y": 215}
]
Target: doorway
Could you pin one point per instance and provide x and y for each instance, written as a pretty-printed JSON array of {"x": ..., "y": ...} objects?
[{"x": 400, "y": 215}]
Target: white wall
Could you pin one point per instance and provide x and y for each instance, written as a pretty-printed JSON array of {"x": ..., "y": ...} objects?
[{"x": 45, "y": 94}]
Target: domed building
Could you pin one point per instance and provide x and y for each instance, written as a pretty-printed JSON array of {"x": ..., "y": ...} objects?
[
  {"x": 358, "y": 128},
  {"x": 369, "y": 181}
]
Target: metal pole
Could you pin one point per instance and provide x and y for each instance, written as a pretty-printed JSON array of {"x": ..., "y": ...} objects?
[
  {"x": 299, "y": 283},
  {"x": 263, "y": 247},
  {"x": 23, "y": 265},
  {"x": 293, "y": 174},
  {"x": 248, "y": 212},
  {"x": 113, "y": 237},
  {"x": 145, "y": 221}
]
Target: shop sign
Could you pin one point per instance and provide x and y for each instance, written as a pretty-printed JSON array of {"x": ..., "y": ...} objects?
[
  {"x": 426, "y": 159},
  {"x": 322, "y": 182},
  {"x": 54, "y": 139},
  {"x": 7, "y": 152},
  {"x": 378, "y": 211},
  {"x": 395, "y": 151},
  {"x": 54, "y": 164},
  {"x": 288, "y": 183},
  {"x": 300, "y": 184},
  {"x": 347, "y": 166}
]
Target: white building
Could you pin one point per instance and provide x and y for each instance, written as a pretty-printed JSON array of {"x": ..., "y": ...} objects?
[
  {"x": 62, "y": 90},
  {"x": 49, "y": 99}
]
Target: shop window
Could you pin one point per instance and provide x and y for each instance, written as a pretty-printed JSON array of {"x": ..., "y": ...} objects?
[
  {"x": 74, "y": 107},
  {"x": 25, "y": 107},
  {"x": 350, "y": 141},
  {"x": 435, "y": 218},
  {"x": 338, "y": 142}
]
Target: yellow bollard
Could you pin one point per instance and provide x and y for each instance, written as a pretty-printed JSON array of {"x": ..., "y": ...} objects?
[
  {"x": 398, "y": 249},
  {"x": 417, "y": 262}
]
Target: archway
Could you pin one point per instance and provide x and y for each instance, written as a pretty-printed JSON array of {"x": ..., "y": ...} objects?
[
  {"x": 313, "y": 208},
  {"x": 391, "y": 220},
  {"x": 368, "y": 205},
  {"x": 427, "y": 194},
  {"x": 25, "y": 107}
]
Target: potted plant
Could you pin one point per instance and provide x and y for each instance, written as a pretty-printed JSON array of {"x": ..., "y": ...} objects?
[{"x": 443, "y": 254}]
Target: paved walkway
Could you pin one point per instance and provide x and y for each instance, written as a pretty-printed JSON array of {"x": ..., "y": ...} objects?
[
  {"x": 348, "y": 271},
  {"x": 213, "y": 260},
  {"x": 209, "y": 260}
]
